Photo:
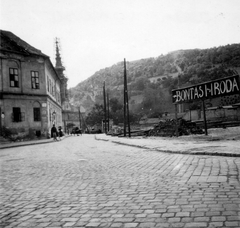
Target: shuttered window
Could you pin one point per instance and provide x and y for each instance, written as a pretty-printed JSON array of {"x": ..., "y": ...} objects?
[
  {"x": 14, "y": 78},
  {"x": 35, "y": 79}
]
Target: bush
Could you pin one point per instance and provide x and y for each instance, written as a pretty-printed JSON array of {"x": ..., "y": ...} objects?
[
  {"x": 6, "y": 132},
  {"x": 19, "y": 134}
]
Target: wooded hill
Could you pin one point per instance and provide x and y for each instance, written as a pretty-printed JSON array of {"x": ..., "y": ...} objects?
[{"x": 151, "y": 80}]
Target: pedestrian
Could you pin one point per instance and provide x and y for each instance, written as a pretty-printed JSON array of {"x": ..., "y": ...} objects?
[
  {"x": 54, "y": 132},
  {"x": 60, "y": 134}
]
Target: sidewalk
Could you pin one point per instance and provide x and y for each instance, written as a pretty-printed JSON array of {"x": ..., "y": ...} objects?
[
  {"x": 218, "y": 142},
  {"x": 27, "y": 143}
]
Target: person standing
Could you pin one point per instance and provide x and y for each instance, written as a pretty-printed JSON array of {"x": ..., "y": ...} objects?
[
  {"x": 54, "y": 132},
  {"x": 60, "y": 134}
]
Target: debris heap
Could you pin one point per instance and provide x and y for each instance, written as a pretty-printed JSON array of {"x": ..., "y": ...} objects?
[{"x": 168, "y": 128}]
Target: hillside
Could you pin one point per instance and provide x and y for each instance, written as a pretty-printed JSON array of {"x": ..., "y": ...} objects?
[{"x": 151, "y": 80}]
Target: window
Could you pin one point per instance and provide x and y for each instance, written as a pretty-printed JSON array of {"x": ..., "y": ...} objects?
[
  {"x": 36, "y": 114},
  {"x": 17, "y": 115},
  {"x": 48, "y": 84},
  {"x": 58, "y": 96},
  {"x": 35, "y": 80},
  {"x": 52, "y": 90},
  {"x": 14, "y": 78}
]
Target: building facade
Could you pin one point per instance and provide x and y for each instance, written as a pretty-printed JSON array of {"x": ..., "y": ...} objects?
[{"x": 30, "y": 89}]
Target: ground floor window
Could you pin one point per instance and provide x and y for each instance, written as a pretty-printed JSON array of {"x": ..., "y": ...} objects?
[
  {"x": 36, "y": 114},
  {"x": 17, "y": 115}
]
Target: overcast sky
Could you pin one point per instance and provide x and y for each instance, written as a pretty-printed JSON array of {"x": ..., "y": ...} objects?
[{"x": 95, "y": 34}]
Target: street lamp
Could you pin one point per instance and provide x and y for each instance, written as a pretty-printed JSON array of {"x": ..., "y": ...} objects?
[{"x": 54, "y": 116}]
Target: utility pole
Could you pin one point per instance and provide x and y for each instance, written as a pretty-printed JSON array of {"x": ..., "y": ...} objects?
[
  {"x": 204, "y": 117},
  {"x": 176, "y": 110},
  {"x": 124, "y": 103},
  {"x": 79, "y": 116},
  {"x": 105, "y": 109},
  {"x": 108, "y": 111},
  {"x": 126, "y": 106}
]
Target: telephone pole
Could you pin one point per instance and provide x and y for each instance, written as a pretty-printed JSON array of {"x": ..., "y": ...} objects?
[
  {"x": 79, "y": 116},
  {"x": 126, "y": 106},
  {"x": 105, "y": 109},
  {"x": 108, "y": 118}
]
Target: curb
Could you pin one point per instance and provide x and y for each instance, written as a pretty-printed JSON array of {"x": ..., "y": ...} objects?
[
  {"x": 174, "y": 152},
  {"x": 29, "y": 143},
  {"x": 24, "y": 144}
]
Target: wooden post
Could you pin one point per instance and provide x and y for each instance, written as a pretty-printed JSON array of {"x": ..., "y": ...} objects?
[
  {"x": 204, "y": 116},
  {"x": 108, "y": 111},
  {"x": 79, "y": 116},
  {"x": 105, "y": 111},
  {"x": 128, "y": 119},
  {"x": 176, "y": 118},
  {"x": 124, "y": 105}
]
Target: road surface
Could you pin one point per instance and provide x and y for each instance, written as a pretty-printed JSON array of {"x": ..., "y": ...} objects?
[{"x": 83, "y": 182}]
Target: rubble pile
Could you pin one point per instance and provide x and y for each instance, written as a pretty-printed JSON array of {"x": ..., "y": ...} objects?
[{"x": 168, "y": 128}]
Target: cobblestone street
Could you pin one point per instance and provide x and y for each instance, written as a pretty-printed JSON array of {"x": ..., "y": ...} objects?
[{"x": 83, "y": 182}]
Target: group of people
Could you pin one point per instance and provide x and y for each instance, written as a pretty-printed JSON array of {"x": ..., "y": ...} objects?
[{"x": 56, "y": 134}]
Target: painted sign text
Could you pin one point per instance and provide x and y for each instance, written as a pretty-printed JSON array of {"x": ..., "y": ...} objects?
[{"x": 221, "y": 87}]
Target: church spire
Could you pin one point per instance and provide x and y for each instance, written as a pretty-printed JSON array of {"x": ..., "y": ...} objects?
[
  {"x": 58, "y": 64},
  {"x": 59, "y": 69}
]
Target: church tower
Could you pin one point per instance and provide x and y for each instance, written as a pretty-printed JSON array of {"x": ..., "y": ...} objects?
[{"x": 59, "y": 69}]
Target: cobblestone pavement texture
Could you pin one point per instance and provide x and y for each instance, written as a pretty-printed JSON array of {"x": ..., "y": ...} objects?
[{"x": 83, "y": 182}]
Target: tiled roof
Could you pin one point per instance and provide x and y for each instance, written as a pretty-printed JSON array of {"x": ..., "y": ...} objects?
[{"x": 11, "y": 42}]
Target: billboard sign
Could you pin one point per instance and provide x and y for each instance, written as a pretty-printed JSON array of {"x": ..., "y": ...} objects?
[{"x": 216, "y": 88}]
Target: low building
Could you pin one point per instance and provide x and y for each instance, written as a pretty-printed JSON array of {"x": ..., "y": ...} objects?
[
  {"x": 30, "y": 89},
  {"x": 73, "y": 117}
]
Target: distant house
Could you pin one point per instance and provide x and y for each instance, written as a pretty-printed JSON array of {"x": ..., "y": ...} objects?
[
  {"x": 73, "y": 117},
  {"x": 30, "y": 89}
]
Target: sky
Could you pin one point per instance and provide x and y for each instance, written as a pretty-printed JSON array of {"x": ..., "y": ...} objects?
[{"x": 95, "y": 34}]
